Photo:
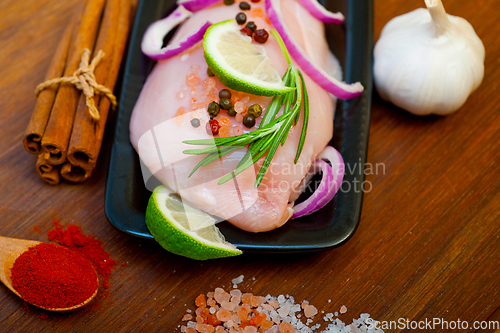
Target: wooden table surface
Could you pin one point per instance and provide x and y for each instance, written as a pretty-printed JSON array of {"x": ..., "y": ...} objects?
[{"x": 428, "y": 244}]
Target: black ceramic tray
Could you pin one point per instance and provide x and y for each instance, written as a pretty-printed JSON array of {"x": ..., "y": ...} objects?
[{"x": 126, "y": 195}]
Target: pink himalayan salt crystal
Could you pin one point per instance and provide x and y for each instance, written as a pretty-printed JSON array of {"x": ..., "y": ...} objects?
[
  {"x": 205, "y": 328},
  {"x": 223, "y": 315},
  {"x": 180, "y": 95},
  {"x": 250, "y": 329},
  {"x": 228, "y": 305},
  {"x": 220, "y": 329},
  {"x": 343, "y": 309},
  {"x": 286, "y": 328},
  {"x": 238, "y": 107},
  {"x": 208, "y": 86},
  {"x": 310, "y": 311},
  {"x": 187, "y": 317},
  {"x": 194, "y": 91},
  {"x": 195, "y": 68},
  {"x": 221, "y": 296},
  {"x": 255, "y": 301},
  {"x": 192, "y": 80},
  {"x": 210, "y": 294},
  {"x": 239, "y": 118}
]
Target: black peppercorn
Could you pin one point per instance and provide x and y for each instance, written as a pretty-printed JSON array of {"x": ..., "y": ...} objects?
[
  {"x": 209, "y": 72},
  {"x": 213, "y": 109},
  {"x": 241, "y": 18},
  {"x": 231, "y": 112},
  {"x": 251, "y": 25},
  {"x": 224, "y": 93},
  {"x": 244, "y": 5},
  {"x": 249, "y": 121},
  {"x": 228, "y": 2},
  {"x": 195, "y": 122},
  {"x": 225, "y": 103}
]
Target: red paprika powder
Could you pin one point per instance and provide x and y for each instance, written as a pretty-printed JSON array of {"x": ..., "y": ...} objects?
[
  {"x": 88, "y": 246},
  {"x": 52, "y": 276}
]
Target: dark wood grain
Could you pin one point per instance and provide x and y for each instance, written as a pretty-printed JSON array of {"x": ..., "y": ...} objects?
[{"x": 428, "y": 244}]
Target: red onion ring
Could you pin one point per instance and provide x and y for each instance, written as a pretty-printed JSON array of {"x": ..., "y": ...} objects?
[
  {"x": 333, "y": 174},
  {"x": 152, "y": 41},
  {"x": 324, "y": 80},
  {"x": 321, "y": 13},
  {"x": 196, "y": 5}
]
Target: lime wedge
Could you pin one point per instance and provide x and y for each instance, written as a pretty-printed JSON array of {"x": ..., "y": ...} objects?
[
  {"x": 184, "y": 230},
  {"x": 238, "y": 63}
]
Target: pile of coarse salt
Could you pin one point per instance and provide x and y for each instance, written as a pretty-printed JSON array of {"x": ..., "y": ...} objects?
[{"x": 223, "y": 312}]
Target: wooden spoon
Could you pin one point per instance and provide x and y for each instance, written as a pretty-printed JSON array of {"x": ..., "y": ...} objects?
[{"x": 10, "y": 250}]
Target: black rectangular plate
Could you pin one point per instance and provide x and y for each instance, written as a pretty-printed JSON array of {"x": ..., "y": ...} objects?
[{"x": 126, "y": 195}]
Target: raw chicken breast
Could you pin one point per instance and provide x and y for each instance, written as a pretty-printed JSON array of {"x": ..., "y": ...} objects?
[{"x": 178, "y": 90}]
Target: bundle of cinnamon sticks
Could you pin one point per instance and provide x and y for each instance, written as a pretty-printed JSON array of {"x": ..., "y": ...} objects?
[{"x": 61, "y": 131}]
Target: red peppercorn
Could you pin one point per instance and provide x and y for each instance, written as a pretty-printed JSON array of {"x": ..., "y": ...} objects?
[
  {"x": 261, "y": 36},
  {"x": 213, "y": 127},
  {"x": 247, "y": 31},
  {"x": 255, "y": 1}
]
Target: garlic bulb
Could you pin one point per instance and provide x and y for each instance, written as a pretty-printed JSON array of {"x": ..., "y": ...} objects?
[{"x": 427, "y": 62}]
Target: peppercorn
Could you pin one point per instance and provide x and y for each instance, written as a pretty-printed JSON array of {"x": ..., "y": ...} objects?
[
  {"x": 241, "y": 18},
  {"x": 213, "y": 109},
  {"x": 224, "y": 93},
  {"x": 225, "y": 103},
  {"x": 247, "y": 32},
  {"x": 255, "y": 1},
  {"x": 209, "y": 72},
  {"x": 261, "y": 36},
  {"x": 244, "y": 5},
  {"x": 213, "y": 127},
  {"x": 195, "y": 122},
  {"x": 228, "y": 2},
  {"x": 249, "y": 121},
  {"x": 255, "y": 110},
  {"x": 231, "y": 112},
  {"x": 251, "y": 25}
]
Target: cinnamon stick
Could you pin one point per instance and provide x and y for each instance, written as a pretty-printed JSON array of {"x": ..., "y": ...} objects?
[
  {"x": 45, "y": 100},
  {"x": 49, "y": 173},
  {"x": 57, "y": 133},
  {"x": 87, "y": 135},
  {"x": 74, "y": 174}
]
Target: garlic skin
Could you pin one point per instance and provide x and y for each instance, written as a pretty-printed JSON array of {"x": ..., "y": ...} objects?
[{"x": 428, "y": 62}]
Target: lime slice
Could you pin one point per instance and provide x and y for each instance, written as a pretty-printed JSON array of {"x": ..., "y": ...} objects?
[
  {"x": 184, "y": 230},
  {"x": 238, "y": 63}
]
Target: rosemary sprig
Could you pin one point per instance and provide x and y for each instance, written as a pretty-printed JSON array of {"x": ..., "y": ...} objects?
[{"x": 272, "y": 132}]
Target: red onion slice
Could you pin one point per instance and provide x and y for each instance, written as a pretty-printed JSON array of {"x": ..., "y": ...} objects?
[
  {"x": 196, "y": 5},
  {"x": 324, "y": 80},
  {"x": 333, "y": 174},
  {"x": 321, "y": 13},
  {"x": 152, "y": 41}
]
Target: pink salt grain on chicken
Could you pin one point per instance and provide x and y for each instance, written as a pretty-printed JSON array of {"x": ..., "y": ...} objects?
[{"x": 253, "y": 210}]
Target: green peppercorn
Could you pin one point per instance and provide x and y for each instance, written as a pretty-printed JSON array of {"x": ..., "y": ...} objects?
[
  {"x": 213, "y": 109},
  {"x": 195, "y": 122},
  {"x": 241, "y": 18},
  {"x": 249, "y": 121},
  {"x": 224, "y": 93},
  {"x": 228, "y": 2},
  {"x": 225, "y": 103},
  {"x": 209, "y": 72},
  {"x": 231, "y": 112},
  {"x": 251, "y": 25},
  {"x": 255, "y": 110},
  {"x": 244, "y": 5}
]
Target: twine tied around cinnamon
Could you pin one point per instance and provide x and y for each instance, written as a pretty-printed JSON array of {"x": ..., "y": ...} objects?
[{"x": 84, "y": 79}]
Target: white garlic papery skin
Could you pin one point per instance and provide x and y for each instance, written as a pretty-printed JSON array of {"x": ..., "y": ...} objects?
[{"x": 427, "y": 62}]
